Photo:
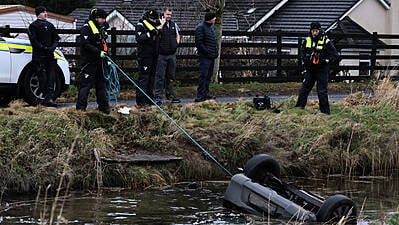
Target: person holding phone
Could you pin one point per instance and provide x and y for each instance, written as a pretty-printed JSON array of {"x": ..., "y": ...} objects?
[{"x": 166, "y": 64}]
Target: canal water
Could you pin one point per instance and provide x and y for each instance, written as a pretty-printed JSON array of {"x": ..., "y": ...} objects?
[{"x": 183, "y": 203}]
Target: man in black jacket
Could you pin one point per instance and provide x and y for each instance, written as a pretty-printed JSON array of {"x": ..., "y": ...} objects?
[
  {"x": 93, "y": 49},
  {"x": 317, "y": 52},
  {"x": 147, "y": 37},
  {"x": 208, "y": 51},
  {"x": 166, "y": 64},
  {"x": 44, "y": 40}
]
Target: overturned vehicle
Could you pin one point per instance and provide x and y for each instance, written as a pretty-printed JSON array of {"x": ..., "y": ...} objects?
[{"x": 260, "y": 191}]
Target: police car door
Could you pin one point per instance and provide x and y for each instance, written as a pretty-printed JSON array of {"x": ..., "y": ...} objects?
[{"x": 5, "y": 61}]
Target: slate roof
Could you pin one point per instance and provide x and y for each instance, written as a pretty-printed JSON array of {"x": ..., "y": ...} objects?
[
  {"x": 242, "y": 11},
  {"x": 80, "y": 14},
  {"x": 296, "y": 15},
  {"x": 348, "y": 26},
  {"x": 187, "y": 13}
]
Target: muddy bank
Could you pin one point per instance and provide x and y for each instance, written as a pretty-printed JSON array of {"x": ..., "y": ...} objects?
[{"x": 38, "y": 146}]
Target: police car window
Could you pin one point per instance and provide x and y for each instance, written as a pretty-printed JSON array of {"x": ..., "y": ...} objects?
[{"x": 1, "y": 39}]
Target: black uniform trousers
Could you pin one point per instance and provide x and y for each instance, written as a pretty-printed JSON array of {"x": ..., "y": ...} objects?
[
  {"x": 92, "y": 76},
  {"x": 319, "y": 75},
  {"x": 45, "y": 69},
  {"x": 205, "y": 73},
  {"x": 147, "y": 67}
]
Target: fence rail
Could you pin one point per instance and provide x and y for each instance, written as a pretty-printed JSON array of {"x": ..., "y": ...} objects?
[{"x": 256, "y": 56}]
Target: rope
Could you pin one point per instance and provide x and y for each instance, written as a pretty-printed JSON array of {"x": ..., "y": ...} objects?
[
  {"x": 111, "y": 77},
  {"x": 172, "y": 120}
]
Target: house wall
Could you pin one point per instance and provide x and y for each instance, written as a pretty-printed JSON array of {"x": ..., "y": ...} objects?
[
  {"x": 121, "y": 23},
  {"x": 372, "y": 16}
]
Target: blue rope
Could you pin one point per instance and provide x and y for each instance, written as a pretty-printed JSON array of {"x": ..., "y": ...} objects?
[
  {"x": 113, "y": 87},
  {"x": 172, "y": 120}
]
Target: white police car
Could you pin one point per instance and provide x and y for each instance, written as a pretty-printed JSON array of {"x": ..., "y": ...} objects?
[{"x": 17, "y": 75}]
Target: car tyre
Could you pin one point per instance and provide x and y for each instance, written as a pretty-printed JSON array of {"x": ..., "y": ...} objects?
[
  {"x": 260, "y": 167},
  {"x": 31, "y": 87},
  {"x": 335, "y": 207},
  {"x": 4, "y": 100}
]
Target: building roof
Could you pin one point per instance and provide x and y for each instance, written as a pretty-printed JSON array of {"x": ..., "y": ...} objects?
[
  {"x": 5, "y": 9},
  {"x": 296, "y": 15},
  {"x": 348, "y": 26},
  {"x": 238, "y": 14},
  {"x": 80, "y": 14},
  {"x": 242, "y": 15},
  {"x": 248, "y": 13}
]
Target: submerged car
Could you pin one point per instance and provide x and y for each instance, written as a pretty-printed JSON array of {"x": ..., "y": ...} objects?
[
  {"x": 260, "y": 191},
  {"x": 18, "y": 78}
]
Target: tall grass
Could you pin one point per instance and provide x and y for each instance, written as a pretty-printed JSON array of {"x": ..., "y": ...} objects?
[{"x": 360, "y": 137}]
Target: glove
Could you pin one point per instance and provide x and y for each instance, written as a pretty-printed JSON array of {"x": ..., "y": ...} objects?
[{"x": 103, "y": 54}]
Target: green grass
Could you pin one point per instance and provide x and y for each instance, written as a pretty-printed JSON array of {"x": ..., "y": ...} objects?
[{"x": 360, "y": 137}]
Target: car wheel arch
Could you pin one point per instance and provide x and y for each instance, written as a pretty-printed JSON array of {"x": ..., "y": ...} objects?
[{"x": 24, "y": 73}]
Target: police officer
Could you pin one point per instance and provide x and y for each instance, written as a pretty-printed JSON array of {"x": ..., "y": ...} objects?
[
  {"x": 166, "y": 64},
  {"x": 44, "y": 40},
  {"x": 93, "y": 49},
  {"x": 317, "y": 53},
  {"x": 208, "y": 51},
  {"x": 147, "y": 37}
]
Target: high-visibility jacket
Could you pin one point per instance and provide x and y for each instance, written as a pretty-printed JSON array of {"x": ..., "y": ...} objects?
[
  {"x": 92, "y": 42},
  {"x": 147, "y": 41},
  {"x": 318, "y": 51},
  {"x": 320, "y": 43}
]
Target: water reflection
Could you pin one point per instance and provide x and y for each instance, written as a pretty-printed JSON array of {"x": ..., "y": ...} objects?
[{"x": 181, "y": 205}]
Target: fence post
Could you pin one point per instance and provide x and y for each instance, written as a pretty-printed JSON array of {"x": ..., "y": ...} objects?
[
  {"x": 299, "y": 58},
  {"x": 373, "y": 53},
  {"x": 113, "y": 43},
  {"x": 279, "y": 46}
]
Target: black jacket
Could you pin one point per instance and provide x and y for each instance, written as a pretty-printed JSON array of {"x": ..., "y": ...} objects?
[
  {"x": 205, "y": 40},
  {"x": 91, "y": 44},
  {"x": 328, "y": 54},
  {"x": 167, "y": 42},
  {"x": 44, "y": 39},
  {"x": 147, "y": 42}
]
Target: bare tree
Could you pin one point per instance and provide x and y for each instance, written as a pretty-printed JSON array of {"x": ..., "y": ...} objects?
[{"x": 216, "y": 6}]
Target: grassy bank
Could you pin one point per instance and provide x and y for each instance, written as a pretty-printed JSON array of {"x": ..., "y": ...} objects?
[{"x": 360, "y": 137}]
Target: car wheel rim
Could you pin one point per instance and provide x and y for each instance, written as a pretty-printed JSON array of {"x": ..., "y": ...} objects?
[{"x": 35, "y": 86}]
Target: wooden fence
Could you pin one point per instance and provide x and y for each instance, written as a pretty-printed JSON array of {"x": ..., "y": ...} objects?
[{"x": 256, "y": 56}]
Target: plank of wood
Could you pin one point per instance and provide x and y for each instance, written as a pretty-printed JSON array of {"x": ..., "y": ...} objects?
[{"x": 140, "y": 158}]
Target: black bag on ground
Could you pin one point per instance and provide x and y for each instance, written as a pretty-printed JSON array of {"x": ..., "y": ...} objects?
[{"x": 263, "y": 102}]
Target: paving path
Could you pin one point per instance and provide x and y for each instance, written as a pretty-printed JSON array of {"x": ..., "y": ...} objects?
[{"x": 274, "y": 98}]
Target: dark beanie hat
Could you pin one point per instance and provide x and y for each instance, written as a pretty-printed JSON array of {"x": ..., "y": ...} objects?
[
  {"x": 97, "y": 13},
  {"x": 101, "y": 14},
  {"x": 315, "y": 25},
  {"x": 39, "y": 10},
  {"x": 209, "y": 16}
]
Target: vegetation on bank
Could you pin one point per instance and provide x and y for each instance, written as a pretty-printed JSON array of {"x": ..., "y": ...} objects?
[{"x": 360, "y": 137}]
